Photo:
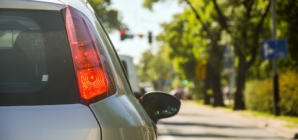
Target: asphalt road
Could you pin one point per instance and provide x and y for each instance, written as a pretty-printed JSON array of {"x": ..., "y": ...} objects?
[{"x": 200, "y": 123}]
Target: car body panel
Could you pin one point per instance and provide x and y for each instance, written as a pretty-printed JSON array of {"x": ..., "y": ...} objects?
[
  {"x": 120, "y": 119},
  {"x": 135, "y": 122},
  {"x": 49, "y": 122}
]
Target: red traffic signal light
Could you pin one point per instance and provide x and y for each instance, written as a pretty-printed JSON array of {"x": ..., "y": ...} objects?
[{"x": 122, "y": 34}]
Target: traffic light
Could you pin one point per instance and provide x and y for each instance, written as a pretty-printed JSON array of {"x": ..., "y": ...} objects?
[
  {"x": 122, "y": 34},
  {"x": 150, "y": 37}
]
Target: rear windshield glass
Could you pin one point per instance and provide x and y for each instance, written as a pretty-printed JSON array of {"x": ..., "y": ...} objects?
[{"x": 35, "y": 61}]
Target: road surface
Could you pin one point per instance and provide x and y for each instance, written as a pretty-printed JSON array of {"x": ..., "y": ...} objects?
[{"x": 201, "y": 123}]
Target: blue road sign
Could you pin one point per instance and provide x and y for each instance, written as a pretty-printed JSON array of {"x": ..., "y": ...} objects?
[{"x": 274, "y": 49}]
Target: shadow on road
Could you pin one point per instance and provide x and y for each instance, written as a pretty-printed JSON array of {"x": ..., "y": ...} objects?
[
  {"x": 218, "y": 136},
  {"x": 194, "y": 115},
  {"x": 199, "y": 123},
  {"x": 207, "y": 125},
  {"x": 198, "y": 130}
]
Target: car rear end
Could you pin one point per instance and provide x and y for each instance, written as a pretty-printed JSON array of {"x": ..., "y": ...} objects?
[{"x": 60, "y": 78}]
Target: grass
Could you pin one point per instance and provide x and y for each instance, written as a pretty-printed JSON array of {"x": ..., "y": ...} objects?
[
  {"x": 290, "y": 119},
  {"x": 292, "y": 122},
  {"x": 201, "y": 102}
]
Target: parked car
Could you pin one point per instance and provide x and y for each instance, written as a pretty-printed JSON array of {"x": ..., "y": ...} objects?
[
  {"x": 146, "y": 87},
  {"x": 131, "y": 73},
  {"x": 61, "y": 78},
  {"x": 181, "y": 93},
  {"x": 177, "y": 92}
]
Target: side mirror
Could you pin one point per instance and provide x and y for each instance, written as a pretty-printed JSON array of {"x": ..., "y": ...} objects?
[{"x": 160, "y": 105}]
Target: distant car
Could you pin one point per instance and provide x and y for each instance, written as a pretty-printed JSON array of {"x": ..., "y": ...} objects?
[
  {"x": 146, "y": 87},
  {"x": 177, "y": 92},
  {"x": 61, "y": 78},
  {"x": 181, "y": 93}
]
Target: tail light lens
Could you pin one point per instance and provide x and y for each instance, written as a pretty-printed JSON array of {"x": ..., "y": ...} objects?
[{"x": 92, "y": 70}]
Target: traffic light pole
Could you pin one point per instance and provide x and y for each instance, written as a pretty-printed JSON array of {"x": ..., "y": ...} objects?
[
  {"x": 150, "y": 37},
  {"x": 274, "y": 64}
]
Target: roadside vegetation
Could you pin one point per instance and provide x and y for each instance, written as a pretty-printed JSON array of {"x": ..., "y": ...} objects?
[
  {"x": 197, "y": 36},
  {"x": 258, "y": 94}
]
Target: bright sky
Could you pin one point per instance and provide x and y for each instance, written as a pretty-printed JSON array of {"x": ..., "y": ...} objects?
[{"x": 141, "y": 21}]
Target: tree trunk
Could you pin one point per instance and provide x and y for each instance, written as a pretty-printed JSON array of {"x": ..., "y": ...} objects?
[
  {"x": 216, "y": 58},
  {"x": 217, "y": 92},
  {"x": 206, "y": 96},
  {"x": 241, "y": 77},
  {"x": 207, "y": 85}
]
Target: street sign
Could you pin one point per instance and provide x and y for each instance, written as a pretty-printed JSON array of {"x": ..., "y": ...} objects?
[
  {"x": 200, "y": 70},
  {"x": 274, "y": 49}
]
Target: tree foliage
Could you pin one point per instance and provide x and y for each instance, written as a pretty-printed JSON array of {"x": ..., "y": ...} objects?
[
  {"x": 205, "y": 25},
  {"x": 287, "y": 12},
  {"x": 193, "y": 37},
  {"x": 155, "y": 68},
  {"x": 110, "y": 18}
]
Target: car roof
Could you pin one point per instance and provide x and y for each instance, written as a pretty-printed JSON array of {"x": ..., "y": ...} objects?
[
  {"x": 81, "y": 5},
  {"x": 41, "y": 4},
  {"x": 32, "y": 4}
]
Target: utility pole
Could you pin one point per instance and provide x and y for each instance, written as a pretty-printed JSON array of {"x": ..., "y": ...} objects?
[
  {"x": 150, "y": 37},
  {"x": 274, "y": 64}
]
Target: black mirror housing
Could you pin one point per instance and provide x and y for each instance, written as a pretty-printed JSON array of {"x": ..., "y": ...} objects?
[{"x": 159, "y": 105}]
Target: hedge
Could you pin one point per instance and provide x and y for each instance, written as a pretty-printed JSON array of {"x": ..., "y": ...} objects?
[{"x": 259, "y": 94}]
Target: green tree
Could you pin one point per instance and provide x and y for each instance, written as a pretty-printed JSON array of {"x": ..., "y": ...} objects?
[
  {"x": 287, "y": 29},
  {"x": 286, "y": 14},
  {"x": 155, "y": 68},
  {"x": 183, "y": 35},
  {"x": 110, "y": 18},
  {"x": 245, "y": 25}
]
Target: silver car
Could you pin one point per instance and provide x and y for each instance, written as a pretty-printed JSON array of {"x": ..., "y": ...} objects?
[{"x": 61, "y": 78}]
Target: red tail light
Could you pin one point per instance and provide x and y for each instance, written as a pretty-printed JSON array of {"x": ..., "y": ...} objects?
[{"x": 92, "y": 77}]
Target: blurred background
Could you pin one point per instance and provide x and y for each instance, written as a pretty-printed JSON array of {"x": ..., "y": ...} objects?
[{"x": 240, "y": 55}]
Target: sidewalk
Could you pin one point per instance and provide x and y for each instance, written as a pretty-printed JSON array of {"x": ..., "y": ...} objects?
[{"x": 275, "y": 126}]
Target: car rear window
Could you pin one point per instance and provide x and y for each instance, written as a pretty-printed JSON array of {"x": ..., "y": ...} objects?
[{"x": 36, "y": 67}]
